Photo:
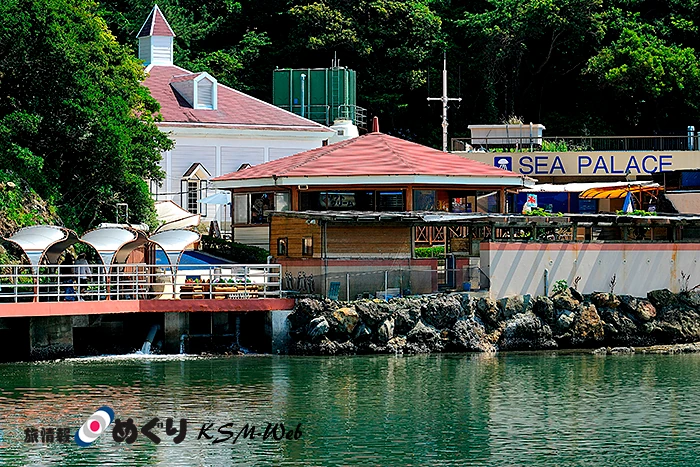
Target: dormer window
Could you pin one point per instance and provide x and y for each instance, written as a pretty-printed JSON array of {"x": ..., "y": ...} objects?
[
  {"x": 205, "y": 94},
  {"x": 198, "y": 89}
]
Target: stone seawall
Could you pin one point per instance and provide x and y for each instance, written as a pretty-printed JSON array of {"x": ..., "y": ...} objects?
[{"x": 460, "y": 323}]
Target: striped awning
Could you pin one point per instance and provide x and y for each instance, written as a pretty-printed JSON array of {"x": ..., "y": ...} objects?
[{"x": 619, "y": 192}]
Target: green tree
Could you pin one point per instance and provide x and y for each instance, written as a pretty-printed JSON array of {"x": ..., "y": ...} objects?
[
  {"x": 75, "y": 121},
  {"x": 651, "y": 78}
]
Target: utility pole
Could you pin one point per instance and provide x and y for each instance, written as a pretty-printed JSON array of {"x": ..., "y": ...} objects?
[{"x": 444, "y": 100}]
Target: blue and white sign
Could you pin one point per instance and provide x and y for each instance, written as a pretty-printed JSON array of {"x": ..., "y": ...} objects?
[
  {"x": 606, "y": 164},
  {"x": 503, "y": 162}
]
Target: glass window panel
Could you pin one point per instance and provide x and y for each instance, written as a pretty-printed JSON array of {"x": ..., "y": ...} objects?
[{"x": 240, "y": 209}]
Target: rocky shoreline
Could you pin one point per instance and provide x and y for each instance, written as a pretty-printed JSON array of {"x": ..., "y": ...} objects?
[{"x": 663, "y": 322}]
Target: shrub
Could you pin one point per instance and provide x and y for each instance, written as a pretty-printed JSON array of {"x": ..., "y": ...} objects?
[
  {"x": 430, "y": 251},
  {"x": 233, "y": 251}
]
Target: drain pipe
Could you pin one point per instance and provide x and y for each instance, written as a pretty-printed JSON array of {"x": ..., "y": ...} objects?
[
  {"x": 146, "y": 348},
  {"x": 546, "y": 282},
  {"x": 303, "y": 85}
]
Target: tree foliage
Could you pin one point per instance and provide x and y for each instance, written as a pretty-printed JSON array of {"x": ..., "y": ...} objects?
[
  {"x": 75, "y": 122},
  {"x": 577, "y": 66}
]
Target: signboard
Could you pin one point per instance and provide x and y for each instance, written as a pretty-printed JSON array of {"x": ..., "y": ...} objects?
[
  {"x": 553, "y": 164},
  {"x": 531, "y": 201}
]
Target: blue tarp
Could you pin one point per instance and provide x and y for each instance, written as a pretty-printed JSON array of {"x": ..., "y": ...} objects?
[{"x": 190, "y": 259}]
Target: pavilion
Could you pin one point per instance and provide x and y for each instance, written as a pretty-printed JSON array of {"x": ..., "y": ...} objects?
[{"x": 374, "y": 172}]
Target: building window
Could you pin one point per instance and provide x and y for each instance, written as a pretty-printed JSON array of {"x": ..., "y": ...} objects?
[
  {"x": 259, "y": 204},
  {"x": 390, "y": 201},
  {"x": 424, "y": 200},
  {"x": 193, "y": 196},
  {"x": 282, "y": 247},
  {"x": 307, "y": 246}
]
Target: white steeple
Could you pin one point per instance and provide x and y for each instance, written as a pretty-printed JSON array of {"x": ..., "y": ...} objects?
[{"x": 156, "y": 39}]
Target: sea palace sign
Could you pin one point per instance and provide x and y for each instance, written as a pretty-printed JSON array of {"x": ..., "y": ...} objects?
[{"x": 591, "y": 164}]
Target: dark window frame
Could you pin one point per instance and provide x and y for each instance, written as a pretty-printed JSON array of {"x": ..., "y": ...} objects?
[
  {"x": 307, "y": 251},
  {"x": 283, "y": 246}
]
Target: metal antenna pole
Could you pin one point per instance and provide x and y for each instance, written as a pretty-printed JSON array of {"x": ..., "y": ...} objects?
[{"x": 444, "y": 100}]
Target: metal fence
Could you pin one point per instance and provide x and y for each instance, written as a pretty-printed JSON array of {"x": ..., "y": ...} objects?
[
  {"x": 386, "y": 283},
  {"x": 576, "y": 143},
  {"x": 53, "y": 283}
]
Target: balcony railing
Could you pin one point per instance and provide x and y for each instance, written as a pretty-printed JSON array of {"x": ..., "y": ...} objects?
[
  {"x": 576, "y": 143},
  {"x": 53, "y": 283}
]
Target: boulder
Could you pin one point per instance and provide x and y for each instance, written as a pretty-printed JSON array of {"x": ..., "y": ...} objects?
[
  {"x": 618, "y": 328},
  {"x": 424, "y": 336},
  {"x": 468, "y": 305},
  {"x": 305, "y": 310},
  {"x": 678, "y": 324},
  {"x": 604, "y": 300},
  {"x": 487, "y": 310},
  {"x": 588, "y": 327},
  {"x": 386, "y": 330},
  {"x": 345, "y": 320},
  {"x": 396, "y": 344},
  {"x": 663, "y": 298},
  {"x": 373, "y": 312},
  {"x": 692, "y": 299},
  {"x": 443, "y": 311},
  {"x": 526, "y": 331},
  {"x": 511, "y": 306},
  {"x": 565, "y": 300},
  {"x": 576, "y": 295},
  {"x": 469, "y": 336},
  {"x": 564, "y": 321},
  {"x": 639, "y": 308},
  {"x": 405, "y": 319},
  {"x": 543, "y": 307},
  {"x": 362, "y": 333},
  {"x": 317, "y": 327}
]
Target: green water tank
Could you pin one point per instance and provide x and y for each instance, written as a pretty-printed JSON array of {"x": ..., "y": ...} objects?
[{"x": 328, "y": 94}]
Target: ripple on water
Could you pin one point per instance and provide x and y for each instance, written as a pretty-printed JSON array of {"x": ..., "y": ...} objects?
[{"x": 534, "y": 410}]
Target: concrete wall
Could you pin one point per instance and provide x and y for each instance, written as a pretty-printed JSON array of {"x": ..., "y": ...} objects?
[{"x": 518, "y": 268}]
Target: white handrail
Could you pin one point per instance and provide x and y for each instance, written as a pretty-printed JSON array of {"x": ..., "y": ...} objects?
[{"x": 20, "y": 283}]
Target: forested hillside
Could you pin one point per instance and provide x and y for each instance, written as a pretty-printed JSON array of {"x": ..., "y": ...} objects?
[{"x": 577, "y": 66}]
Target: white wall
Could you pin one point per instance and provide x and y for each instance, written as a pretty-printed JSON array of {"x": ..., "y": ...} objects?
[
  {"x": 518, "y": 268},
  {"x": 223, "y": 151}
]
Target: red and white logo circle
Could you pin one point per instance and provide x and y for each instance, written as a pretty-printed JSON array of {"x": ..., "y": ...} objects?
[{"x": 95, "y": 425}]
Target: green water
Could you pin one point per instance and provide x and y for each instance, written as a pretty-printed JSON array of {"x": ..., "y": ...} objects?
[{"x": 530, "y": 410}]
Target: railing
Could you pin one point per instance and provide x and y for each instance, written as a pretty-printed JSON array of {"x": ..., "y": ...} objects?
[
  {"x": 575, "y": 143},
  {"x": 52, "y": 283},
  {"x": 387, "y": 283}
]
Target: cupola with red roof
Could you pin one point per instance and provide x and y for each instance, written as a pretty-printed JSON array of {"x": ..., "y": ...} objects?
[{"x": 156, "y": 40}]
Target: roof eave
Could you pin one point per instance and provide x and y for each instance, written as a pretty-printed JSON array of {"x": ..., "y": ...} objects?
[{"x": 345, "y": 180}]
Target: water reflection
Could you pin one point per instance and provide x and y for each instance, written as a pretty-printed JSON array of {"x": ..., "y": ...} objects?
[{"x": 515, "y": 409}]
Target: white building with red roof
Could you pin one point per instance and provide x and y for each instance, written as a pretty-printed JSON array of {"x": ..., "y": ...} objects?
[{"x": 216, "y": 129}]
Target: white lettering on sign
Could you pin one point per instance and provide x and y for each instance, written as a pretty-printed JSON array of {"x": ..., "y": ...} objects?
[{"x": 596, "y": 165}]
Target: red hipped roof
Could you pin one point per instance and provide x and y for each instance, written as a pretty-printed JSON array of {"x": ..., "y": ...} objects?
[
  {"x": 233, "y": 107},
  {"x": 369, "y": 155},
  {"x": 156, "y": 25}
]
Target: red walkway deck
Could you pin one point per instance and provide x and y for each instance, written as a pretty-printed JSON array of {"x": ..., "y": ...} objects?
[{"x": 17, "y": 310}]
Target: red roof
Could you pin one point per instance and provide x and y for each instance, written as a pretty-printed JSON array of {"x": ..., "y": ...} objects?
[
  {"x": 233, "y": 107},
  {"x": 156, "y": 25},
  {"x": 368, "y": 155}
]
